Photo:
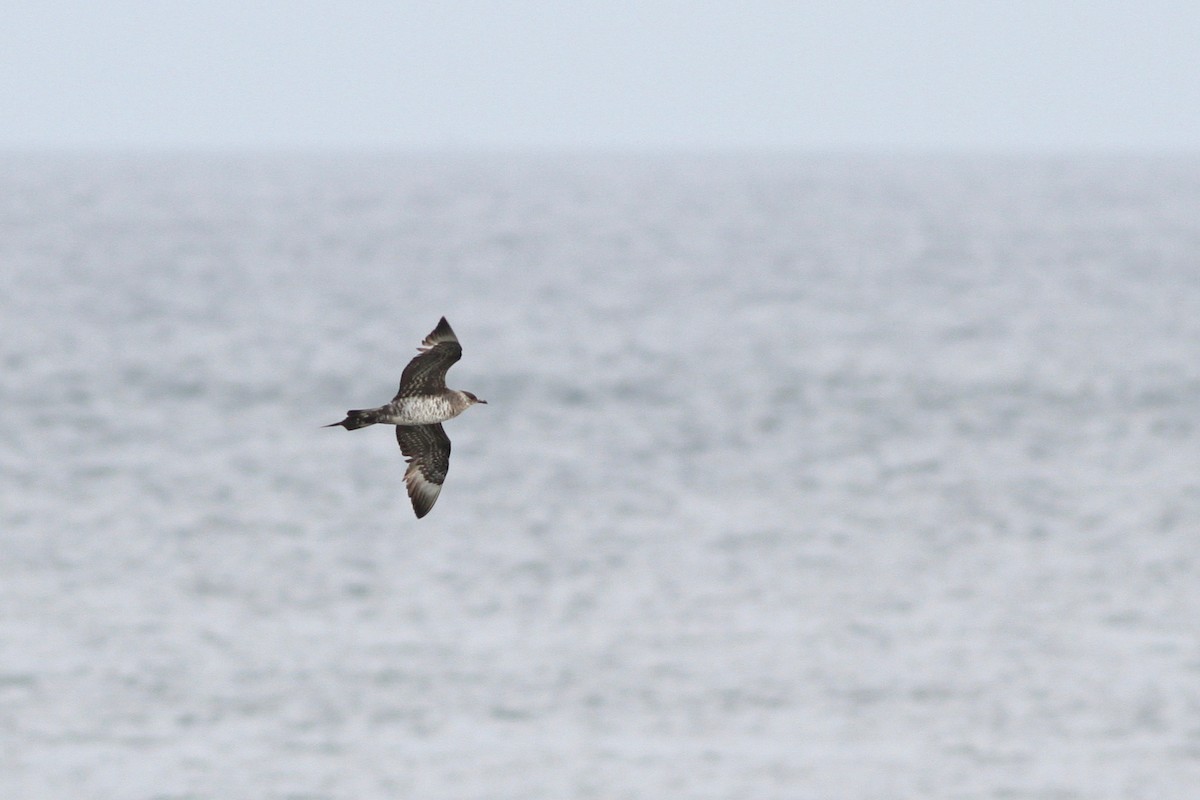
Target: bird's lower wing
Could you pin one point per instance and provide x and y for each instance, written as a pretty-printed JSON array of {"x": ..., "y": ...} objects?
[{"x": 427, "y": 450}]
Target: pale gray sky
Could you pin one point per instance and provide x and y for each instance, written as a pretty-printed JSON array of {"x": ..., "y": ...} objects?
[{"x": 464, "y": 74}]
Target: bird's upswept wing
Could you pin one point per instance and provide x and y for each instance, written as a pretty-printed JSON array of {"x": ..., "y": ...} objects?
[{"x": 426, "y": 374}]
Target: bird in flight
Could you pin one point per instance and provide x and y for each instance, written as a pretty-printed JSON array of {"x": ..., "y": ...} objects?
[{"x": 418, "y": 410}]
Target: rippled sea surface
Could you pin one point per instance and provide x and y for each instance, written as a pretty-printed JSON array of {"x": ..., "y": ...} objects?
[{"x": 803, "y": 478}]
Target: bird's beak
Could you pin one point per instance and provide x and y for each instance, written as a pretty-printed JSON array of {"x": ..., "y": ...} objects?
[{"x": 478, "y": 400}]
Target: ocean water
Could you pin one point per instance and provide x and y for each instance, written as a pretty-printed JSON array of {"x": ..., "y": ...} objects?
[{"x": 801, "y": 477}]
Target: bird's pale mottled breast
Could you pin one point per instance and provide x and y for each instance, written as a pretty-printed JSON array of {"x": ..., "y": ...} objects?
[{"x": 425, "y": 409}]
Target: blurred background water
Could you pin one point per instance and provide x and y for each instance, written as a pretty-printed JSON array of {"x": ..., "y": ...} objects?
[{"x": 826, "y": 477}]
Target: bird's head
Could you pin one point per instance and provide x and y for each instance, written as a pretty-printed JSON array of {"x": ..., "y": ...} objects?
[{"x": 474, "y": 399}]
